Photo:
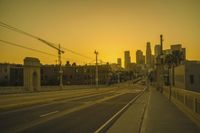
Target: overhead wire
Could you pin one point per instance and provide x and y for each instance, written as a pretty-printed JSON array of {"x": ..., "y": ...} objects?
[
  {"x": 2, "y": 24},
  {"x": 28, "y": 48},
  {"x": 76, "y": 53},
  {"x": 24, "y": 47}
]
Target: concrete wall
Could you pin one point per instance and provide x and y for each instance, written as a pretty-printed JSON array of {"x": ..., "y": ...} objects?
[
  {"x": 179, "y": 77},
  {"x": 187, "y": 76},
  {"x": 31, "y": 74},
  {"x": 4, "y": 74},
  {"x": 193, "y": 71}
]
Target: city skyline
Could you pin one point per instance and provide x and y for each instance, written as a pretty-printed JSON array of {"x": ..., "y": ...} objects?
[{"x": 101, "y": 25}]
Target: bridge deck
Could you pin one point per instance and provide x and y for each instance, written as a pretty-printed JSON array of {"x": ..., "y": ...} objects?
[{"x": 159, "y": 116}]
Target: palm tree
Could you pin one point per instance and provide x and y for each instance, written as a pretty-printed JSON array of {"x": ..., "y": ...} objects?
[
  {"x": 178, "y": 56},
  {"x": 170, "y": 60}
]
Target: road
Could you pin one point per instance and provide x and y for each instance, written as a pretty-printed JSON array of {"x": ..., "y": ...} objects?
[{"x": 85, "y": 113}]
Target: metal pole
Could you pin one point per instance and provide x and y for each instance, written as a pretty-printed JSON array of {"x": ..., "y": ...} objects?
[
  {"x": 60, "y": 67},
  {"x": 161, "y": 44},
  {"x": 96, "y": 76},
  {"x": 161, "y": 64},
  {"x": 170, "y": 82}
]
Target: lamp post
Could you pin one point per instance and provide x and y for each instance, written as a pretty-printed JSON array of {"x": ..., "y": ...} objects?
[
  {"x": 159, "y": 67},
  {"x": 96, "y": 75}
]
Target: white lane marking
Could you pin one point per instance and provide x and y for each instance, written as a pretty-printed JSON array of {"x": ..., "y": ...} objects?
[
  {"x": 50, "y": 113},
  {"x": 114, "y": 116}
]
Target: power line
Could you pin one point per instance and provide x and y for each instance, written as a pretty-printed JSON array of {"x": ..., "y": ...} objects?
[
  {"x": 76, "y": 53},
  {"x": 17, "y": 30},
  {"x": 35, "y": 50},
  {"x": 31, "y": 49},
  {"x": 2, "y": 24}
]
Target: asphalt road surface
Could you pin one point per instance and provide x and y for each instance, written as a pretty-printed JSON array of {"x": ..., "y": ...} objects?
[{"x": 75, "y": 115}]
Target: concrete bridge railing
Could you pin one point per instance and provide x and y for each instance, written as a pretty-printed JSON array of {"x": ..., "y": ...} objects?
[{"x": 187, "y": 101}]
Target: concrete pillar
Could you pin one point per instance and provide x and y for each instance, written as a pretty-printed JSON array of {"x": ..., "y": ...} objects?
[{"x": 31, "y": 74}]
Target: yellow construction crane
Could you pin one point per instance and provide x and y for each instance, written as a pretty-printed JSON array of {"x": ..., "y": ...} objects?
[
  {"x": 59, "y": 58},
  {"x": 2, "y": 24}
]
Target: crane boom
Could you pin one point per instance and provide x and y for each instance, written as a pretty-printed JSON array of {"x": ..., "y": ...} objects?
[
  {"x": 59, "y": 58},
  {"x": 50, "y": 44},
  {"x": 41, "y": 40}
]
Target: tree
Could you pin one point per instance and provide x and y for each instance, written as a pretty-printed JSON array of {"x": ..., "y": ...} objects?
[{"x": 177, "y": 57}]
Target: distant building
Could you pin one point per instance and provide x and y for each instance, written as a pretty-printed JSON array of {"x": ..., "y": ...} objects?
[
  {"x": 127, "y": 60},
  {"x": 167, "y": 51},
  {"x": 187, "y": 76},
  {"x": 177, "y": 52},
  {"x": 157, "y": 52},
  {"x": 11, "y": 74},
  {"x": 16, "y": 75},
  {"x": 178, "y": 47},
  {"x": 74, "y": 74},
  {"x": 152, "y": 60},
  {"x": 4, "y": 74},
  {"x": 119, "y": 62},
  {"x": 49, "y": 75},
  {"x": 139, "y": 57},
  {"x": 148, "y": 55}
]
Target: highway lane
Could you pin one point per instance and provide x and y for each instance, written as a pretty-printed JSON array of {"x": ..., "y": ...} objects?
[
  {"x": 87, "y": 120},
  {"x": 12, "y": 120},
  {"x": 9, "y": 102},
  {"x": 39, "y": 117}
]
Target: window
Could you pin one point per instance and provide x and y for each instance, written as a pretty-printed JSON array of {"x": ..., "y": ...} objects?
[{"x": 191, "y": 79}]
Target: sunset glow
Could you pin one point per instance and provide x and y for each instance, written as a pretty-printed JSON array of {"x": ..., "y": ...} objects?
[{"x": 109, "y": 26}]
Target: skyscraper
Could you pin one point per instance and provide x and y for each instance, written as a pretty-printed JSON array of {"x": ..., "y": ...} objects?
[
  {"x": 157, "y": 50},
  {"x": 119, "y": 62},
  {"x": 127, "y": 59},
  {"x": 139, "y": 57},
  {"x": 148, "y": 55}
]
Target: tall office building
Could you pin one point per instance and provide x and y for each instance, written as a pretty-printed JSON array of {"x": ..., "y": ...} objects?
[
  {"x": 148, "y": 55},
  {"x": 127, "y": 59},
  {"x": 157, "y": 50},
  {"x": 139, "y": 57},
  {"x": 119, "y": 62}
]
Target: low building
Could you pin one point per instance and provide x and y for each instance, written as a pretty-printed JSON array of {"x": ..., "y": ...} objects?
[
  {"x": 11, "y": 74},
  {"x": 16, "y": 75},
  {"x": 75, "y": 75},
  {"x": 187, "y": 76}
]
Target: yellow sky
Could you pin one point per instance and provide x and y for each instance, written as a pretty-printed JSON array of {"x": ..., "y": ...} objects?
[{"x": 110, "y": 26}]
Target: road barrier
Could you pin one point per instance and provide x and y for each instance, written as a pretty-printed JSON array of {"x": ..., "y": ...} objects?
[{"x": 187, "y": 101}]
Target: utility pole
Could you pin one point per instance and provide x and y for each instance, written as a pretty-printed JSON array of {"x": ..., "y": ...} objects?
[
  {"x": 161, "y": 64},
  {"x": 161, "y": 44},
  {"x": 96, "y": 75},
  {"x": 41, "y": 40},
  {"x": 60, "y": 67},
  {"x": 159, "y": 67}
]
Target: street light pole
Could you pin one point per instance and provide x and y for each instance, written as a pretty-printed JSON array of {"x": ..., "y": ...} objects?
[
  {"x": 60, "y": 67},
  {"x": 96, "y": 75},
  {"x": 161, "y": 63}
]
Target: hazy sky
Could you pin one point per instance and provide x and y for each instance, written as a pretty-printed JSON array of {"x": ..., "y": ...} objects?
[{"x": 110, "y": 26}]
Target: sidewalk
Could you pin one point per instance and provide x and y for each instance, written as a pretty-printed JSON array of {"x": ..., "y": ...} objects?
[{"x": 161, "y": 116}]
